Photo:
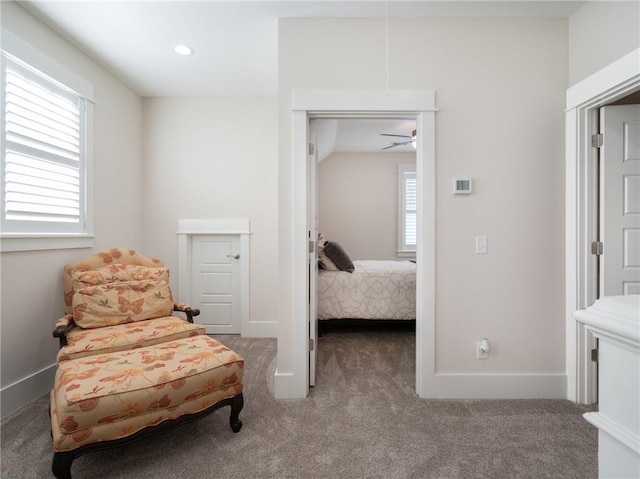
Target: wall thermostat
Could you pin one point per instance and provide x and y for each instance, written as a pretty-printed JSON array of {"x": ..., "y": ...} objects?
[{"x": 462, "y": 186}]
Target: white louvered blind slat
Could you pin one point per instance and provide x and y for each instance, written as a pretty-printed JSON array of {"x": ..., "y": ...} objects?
[
  {"x": 43, "y": 147},
  {"x": 410, "y": 209}
]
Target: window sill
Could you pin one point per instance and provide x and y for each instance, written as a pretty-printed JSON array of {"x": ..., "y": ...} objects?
[
  {"x": 406, "y": 254},
  {"x": 16, "y": 242}
]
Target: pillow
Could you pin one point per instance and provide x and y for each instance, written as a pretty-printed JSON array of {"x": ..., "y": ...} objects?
[
  {"x": 116, "y": 273},
  {"x": 118, "y": 303},
  {"x": 339, "y": 256},
  {"x": 326, "y": 263}
]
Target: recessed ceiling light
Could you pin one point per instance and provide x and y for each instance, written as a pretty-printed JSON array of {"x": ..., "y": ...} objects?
[{"x": 183, "y": 50}]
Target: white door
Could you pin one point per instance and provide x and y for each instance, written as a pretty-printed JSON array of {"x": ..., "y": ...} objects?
[
  {"x": 215, "y": 282},
  {"x": 620, "y": 200},
  {"x": 312, "y": 234}
]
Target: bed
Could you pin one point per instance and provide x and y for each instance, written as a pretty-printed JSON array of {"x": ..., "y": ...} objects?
[{"x": 373, "y": 290}]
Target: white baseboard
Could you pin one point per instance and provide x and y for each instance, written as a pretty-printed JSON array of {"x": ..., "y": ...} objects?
[
  {"x": 260, "y": 329},
  {"x": 496, "y": 386},
  {"x": 16, "y": 395},
  {"x": 286, "y": 386},
  {"x": 461, "y": 386}
]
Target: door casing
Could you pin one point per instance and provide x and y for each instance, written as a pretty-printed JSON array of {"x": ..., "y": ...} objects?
[
  {"x": 215, "y": 282},
  {"x": 418, "y": 104},
  {"x": 187, "y": 229},
  {"x": 584, "y": 99}
]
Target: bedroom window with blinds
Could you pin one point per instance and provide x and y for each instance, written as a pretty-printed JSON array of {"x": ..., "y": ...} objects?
[
  {"x": 44, "y": 154},
  {"x": 407, "y": 209}
]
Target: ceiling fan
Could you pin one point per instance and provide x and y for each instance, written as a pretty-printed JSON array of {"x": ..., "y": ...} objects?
[{"x": 411, "y": 139}]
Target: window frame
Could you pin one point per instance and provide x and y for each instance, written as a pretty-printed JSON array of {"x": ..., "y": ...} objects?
[
  {"x": 15, "y": 49},
  {"x": 405, "y": 171}
]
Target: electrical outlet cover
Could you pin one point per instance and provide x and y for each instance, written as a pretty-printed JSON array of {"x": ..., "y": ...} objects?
[{"x": 480, "y": 354}]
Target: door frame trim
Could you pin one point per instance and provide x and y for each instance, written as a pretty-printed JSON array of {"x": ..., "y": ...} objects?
[
  {"x": 419, "y": 104},
  {"x": 583, "y": 100},
  {"x": 187, "y": 229}
]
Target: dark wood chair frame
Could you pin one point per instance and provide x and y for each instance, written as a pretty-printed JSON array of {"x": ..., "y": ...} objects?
[{"x": 62, "y": 461}]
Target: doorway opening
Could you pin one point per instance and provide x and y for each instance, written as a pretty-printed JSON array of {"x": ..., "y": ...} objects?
[
  {"x": 619, "y": 80},
  {"x": 366, "y": 195},
  {"x": 368, "y": 104}
]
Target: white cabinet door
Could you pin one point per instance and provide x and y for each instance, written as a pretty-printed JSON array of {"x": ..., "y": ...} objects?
[
  {"x": 620, "y": 200},
  {"x": 216, "y": 282}
]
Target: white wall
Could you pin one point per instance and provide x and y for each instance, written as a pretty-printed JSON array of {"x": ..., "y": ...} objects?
[
  {"x": 210, "y": 158},
  {"x": 500, "y": 86},
  {"x": 600, "y": 33},
  {"x": 31, "y": 294},
  {"x": 500, "y": 89},
  {"x": 358, "y": 202}
]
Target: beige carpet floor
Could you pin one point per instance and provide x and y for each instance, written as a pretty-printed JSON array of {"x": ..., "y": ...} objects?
[{"x": 362, "y": 420}]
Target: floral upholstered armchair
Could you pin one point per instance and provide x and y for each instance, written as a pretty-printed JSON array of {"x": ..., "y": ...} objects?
[{"x": 119, "y": 300}]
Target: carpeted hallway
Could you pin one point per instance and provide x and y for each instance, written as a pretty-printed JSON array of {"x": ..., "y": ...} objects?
[{"x": 362, "y": 420}]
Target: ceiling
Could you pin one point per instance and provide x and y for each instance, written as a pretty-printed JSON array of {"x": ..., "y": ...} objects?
[
  {"x": 357, "y": 135},
  {"x": 235, "y": 43}
]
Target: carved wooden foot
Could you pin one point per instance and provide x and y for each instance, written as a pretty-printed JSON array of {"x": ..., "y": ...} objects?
[
  {"x": 236, "y": 406},
  {"x": 61, "y": 466}
]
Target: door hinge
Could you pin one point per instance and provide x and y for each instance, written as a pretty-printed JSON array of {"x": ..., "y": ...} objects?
[
  {"x": 312, "y": 246},
  {"x": 597, "y": 247},
  {"x": 312, "y": 345},
  {"x": 594, "y": 355},
  {"x": 597, "y": 140},
  {"x": 312, "y": 148}
]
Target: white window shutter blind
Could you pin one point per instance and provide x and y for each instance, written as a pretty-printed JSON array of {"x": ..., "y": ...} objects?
[
  {"x": 43, "y": 177},
  {"x": 407, "y": 209},
  {"x": 410, "y": 210}
]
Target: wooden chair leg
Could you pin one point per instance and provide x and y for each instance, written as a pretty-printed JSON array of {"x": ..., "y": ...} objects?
[
  {"x": 236, "y": 406},
  {"x": 61, "y": 466}
]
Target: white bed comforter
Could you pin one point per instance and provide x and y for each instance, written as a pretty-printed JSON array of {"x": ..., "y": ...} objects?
[{"x": 375, "y": 290}]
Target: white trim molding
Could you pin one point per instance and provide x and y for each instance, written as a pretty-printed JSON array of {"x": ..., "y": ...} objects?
[
  {"x": 615, "y": 321},
  {"x": 613, "y": 82},
  {"x": 12, "y": 243},
  {"x": 500, "y": 386},
  {"x": 291, "y": 378},
  {"x": 17, "y": 394},
  {"x": 620, "y": 76},
  {"x": 187, "y": 229}
]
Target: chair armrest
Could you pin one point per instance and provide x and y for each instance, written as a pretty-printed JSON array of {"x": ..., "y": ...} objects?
[
  {"x": 186, "y": 309},
  {"x": 62, "y": 327}
]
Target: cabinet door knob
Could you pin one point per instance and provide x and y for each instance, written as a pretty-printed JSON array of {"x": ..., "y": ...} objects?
[{"x": 234, "y": 256}]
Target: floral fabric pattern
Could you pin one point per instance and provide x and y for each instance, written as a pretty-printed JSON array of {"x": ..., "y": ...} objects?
[
  {"x": 88, "y": 342},
  {"x": 109, "y": 396},
  {"x": 119, "y": 303},
  {"x": 64, "y": 321},
  {"x": 117, "y": 273},
  {"x": 99, "y": 260}
]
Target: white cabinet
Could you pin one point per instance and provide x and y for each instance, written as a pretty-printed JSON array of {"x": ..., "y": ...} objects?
[{"x": 615, "y": 321}]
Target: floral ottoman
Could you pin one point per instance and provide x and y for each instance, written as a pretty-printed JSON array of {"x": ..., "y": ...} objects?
[{"x": 111, "y": 399}]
